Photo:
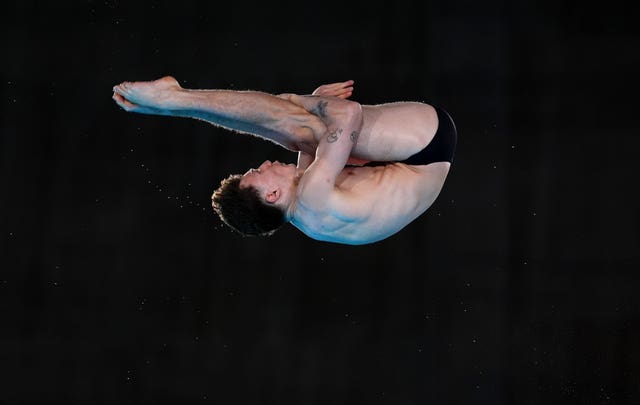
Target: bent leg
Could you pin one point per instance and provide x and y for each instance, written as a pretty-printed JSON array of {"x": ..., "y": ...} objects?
[
  {"x": 395, "y": 131},
  {"x": 390, "y": 132}
]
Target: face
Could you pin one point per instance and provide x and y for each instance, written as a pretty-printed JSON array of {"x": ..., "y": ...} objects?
[{"x": 268, "y": 173}]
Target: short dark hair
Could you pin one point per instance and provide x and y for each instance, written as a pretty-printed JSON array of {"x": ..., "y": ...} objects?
[{"x": 243, "y": 209}]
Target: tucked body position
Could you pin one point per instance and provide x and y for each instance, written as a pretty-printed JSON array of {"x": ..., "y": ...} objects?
[{"x": 363, "y": 172}]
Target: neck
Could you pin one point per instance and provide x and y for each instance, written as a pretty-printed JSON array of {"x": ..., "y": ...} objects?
[{"x": 290, "y": 198}]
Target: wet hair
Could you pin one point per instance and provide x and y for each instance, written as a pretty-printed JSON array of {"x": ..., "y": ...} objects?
[{"x": 243, "y": 209}]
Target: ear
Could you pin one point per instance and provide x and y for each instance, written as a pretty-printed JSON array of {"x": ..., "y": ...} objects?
[{"x": 273, "y": 195}]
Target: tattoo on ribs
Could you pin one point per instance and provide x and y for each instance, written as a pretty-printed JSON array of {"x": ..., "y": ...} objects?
[{"x": 333, "y": 136}]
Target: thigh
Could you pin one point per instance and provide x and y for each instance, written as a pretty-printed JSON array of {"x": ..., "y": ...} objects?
[{"x": 396, "y": 131}]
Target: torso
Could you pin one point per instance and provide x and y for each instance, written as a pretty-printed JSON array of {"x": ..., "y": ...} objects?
[{"x": 372, "y": 203}]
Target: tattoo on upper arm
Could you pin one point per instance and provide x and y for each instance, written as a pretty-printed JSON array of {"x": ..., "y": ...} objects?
[
  {"x": 321, "y": 109},
  {"x": 333, "y": 136}
]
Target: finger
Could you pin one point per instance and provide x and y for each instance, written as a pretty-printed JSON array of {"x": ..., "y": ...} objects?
[
  {"x": 348, "y": 83},
  {"x": 341, "y": 92},
  {"x": 335, "y": 86}
]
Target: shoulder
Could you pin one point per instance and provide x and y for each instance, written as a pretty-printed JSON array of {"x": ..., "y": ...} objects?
[{"x": 315, "y": 190}]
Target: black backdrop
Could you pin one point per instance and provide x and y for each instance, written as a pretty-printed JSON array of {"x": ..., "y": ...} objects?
[{"x": 518, "y": 286}]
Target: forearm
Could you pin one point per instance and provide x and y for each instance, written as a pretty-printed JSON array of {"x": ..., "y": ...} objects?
[{"x": 343, "y": 129}]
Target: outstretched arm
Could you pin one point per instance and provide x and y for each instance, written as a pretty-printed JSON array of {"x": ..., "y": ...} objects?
[{"x": 252, "y": 112}]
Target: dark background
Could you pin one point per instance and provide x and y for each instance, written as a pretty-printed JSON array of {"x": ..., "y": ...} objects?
[{"x": 518, "y": 286}]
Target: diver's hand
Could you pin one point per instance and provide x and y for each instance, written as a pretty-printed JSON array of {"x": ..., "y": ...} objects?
[{"x": 340, "y": 89}]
